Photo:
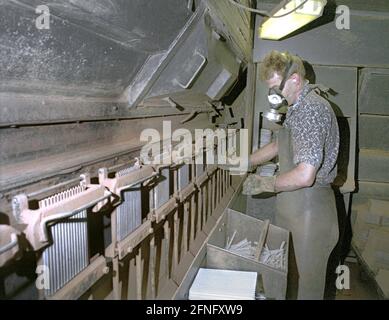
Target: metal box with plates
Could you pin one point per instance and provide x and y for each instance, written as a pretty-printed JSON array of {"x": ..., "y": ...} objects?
[
  {"x": 161, "y": 200},
  {"x": 128, "y": 226},
  {"x": 59, "y": 231},
  {"x": 242, "y": 243}
]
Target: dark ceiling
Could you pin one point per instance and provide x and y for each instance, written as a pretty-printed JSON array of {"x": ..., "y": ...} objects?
[{"x": 363, "y": 5}]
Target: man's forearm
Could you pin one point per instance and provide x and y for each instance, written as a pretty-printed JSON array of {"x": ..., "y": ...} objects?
[
  {"x": 301, "y": 176},
  {"x": 264, "y": 154}
]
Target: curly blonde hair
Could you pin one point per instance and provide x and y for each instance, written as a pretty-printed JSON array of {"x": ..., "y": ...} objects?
[{"x": 277, "y": 62}]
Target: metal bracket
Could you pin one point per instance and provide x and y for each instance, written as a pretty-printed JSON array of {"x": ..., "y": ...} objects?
[
  {"x": 196, "y": 73},
  {"x": 173, "y": 104},
  {"x": 191, "y": 116},
  {"x": 148, "y": 178}
]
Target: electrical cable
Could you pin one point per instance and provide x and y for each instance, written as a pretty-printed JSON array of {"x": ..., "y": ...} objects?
[
  {"x": 264, "y": 13},
  {"x": 291, "y": 11},
  {"x": 242, "y": 6}
]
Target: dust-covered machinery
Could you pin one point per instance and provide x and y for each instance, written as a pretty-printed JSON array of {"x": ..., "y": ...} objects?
[{"x": 80, "y": 84}]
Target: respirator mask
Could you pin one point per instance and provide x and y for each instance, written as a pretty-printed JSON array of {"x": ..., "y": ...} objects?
[{"x": 275, "y": 97}]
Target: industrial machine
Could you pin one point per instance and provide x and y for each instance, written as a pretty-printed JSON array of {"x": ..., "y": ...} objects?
[
  {"x": 86, "y": 86},
  {"x": 81, "y": 217}
]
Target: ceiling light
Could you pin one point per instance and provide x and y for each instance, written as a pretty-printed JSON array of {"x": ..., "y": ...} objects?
[{"x": 289, "y": 16}]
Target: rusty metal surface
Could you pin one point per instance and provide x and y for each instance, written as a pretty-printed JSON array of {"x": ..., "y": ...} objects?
[{"x": 30, "y": 154}]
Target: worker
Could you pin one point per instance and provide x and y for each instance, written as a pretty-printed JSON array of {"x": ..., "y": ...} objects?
[{"x": 307, "y": 147}]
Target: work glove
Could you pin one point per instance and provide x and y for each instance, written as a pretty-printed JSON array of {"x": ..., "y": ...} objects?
[{"x": 255, "y": 184}]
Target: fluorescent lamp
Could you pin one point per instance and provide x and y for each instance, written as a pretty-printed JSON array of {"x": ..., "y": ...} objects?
[{"x": 273, "y": 28}]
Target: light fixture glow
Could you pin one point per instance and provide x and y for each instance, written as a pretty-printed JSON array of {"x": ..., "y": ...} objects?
[{"x": 274, "y": 28}]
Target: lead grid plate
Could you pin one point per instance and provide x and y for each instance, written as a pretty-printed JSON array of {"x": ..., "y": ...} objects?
[{"x": 67, "y": 256}]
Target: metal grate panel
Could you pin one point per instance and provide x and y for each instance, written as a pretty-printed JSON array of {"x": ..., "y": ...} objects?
[
  {"x": 129, "y": 213},
  {"x": 183, "y": 176},
  {"x": 160, "y": 194},
  {"x": 68, "y": 255}
]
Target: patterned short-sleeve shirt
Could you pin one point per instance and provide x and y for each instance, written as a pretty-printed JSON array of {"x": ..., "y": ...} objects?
[{"x": 315, "y": 134}]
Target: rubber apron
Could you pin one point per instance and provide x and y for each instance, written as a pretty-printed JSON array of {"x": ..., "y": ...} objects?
[{"x": 310, "y": 215}]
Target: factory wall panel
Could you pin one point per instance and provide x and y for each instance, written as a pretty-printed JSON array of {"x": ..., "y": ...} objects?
[
  {"x": 374, "y": 91},
  {"x": 372, "y": 132},
  {"x": 373, "y": 165}
]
